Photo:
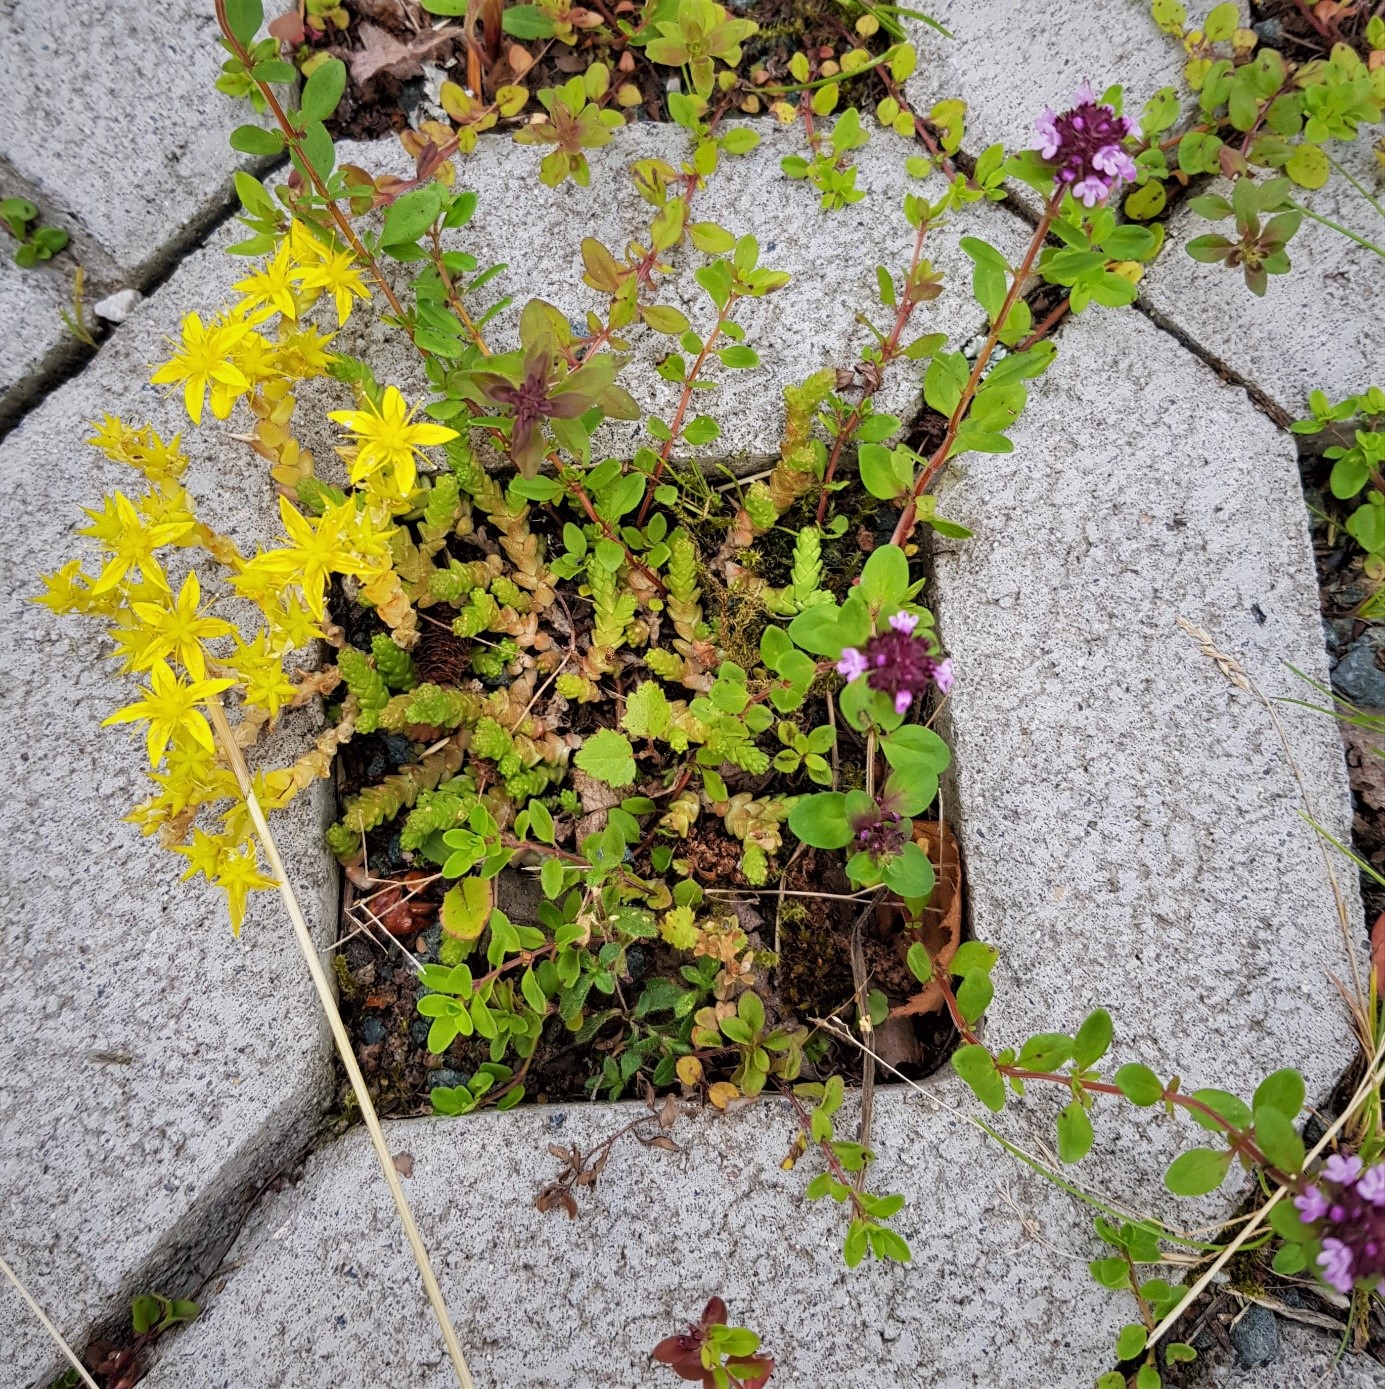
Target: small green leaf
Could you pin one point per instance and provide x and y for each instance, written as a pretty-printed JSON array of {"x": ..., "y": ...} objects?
[
  {"x": 1284, "y": 1091},
  {"x": 1279, "y": 1140},
  {"x": 1093, "y": 1039},
  {"x": 1131, "y": 1341},
  {"x": 1075, "y": 1135},
  {"x": 1139, "y": 1085},
  {"x": 322, "y": 91},
  {"x": 608, "y": 756},
  {"x": 1197, "y": 1171},
  {"x": 254, "y": 139}
]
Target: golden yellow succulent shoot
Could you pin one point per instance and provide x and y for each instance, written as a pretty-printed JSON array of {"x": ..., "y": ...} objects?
[
  {"x": 205, "y": 362},
  {"x": 118, "y": 528},
  {"x": 260, "y": 671},
  {"x": 387, "y": 442},
  {"x": 69, "y": 591},
  {"x": 238, "y": 875},
  {"x": 316, "y": 550},
  {"x": 302, "y": 353},
  {"x": 141, "y": 448},
  {"x": 336, "y": 274},
  {"x": 170, "y": 705},
  {"x": 176, "y": 630},
  {"x": 204, "y": 854},
  {"x": 271, "y": 287}
]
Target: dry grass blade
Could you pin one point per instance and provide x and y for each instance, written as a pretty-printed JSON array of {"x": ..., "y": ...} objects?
[
  {"x": 226, "y": 738},
  {"x": 48, "y": 1325}
]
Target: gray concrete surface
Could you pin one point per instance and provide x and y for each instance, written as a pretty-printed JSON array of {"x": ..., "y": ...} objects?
[
  {"x": 1321, "y": 326},
  {"x": 1112, "y": 786},
  {"x": 1309, "y": 1357},
  {"x": 1008, "y": 59},
  {"x": 808, "y": 324},
  {"x": 109, "y": 112},
  {"x": 326, "y": 1294},
  {"x": 153, "y": 1070},
  {"x": 34, "y": 342}
]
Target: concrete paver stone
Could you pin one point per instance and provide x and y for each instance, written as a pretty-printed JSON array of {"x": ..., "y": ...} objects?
[
  {"x": 110, "y": 115},
  {"x": 1321, "y": 326}
]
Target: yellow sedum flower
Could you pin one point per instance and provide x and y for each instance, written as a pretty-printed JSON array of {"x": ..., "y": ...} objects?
[
  {"x": 177, "y": 631},
  {"x": 238, "y": 875},
  {"x": 338, "y": 275},
  {"x": 131, "y": 541},
  {"x": 272, "y": 286},
  {"x": 387, "y": 441},
  {"x": 302, "y": 354},
  {"x": 170, "y": 706},
  {"x": 205, "y": 363},
  {"x": 316, "y": 551},
  {"x": 261, "y": 674},
  {"x": 141, "y": 448}
]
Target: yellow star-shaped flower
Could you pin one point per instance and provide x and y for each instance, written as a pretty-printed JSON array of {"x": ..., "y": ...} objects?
[
  {"x": 239, "y": 875},
  {"x": 315, "y": 552},
  {"x": 205, "y": 361},
  {"x": 178, "y": 631},
  {"x": 170, "y": 705},
  {"x": 387, "y": 440},
  {"x": 271, "y": 286},
  {"x": 338, "y": 275},
  {"x": 131, "y": 541}
]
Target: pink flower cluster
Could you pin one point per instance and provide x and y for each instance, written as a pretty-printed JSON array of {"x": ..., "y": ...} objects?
[
  {"x": 1085, "y": 143},
  {"x": 897, "y": 662},
  {"x": 1347, "y": 1207}
]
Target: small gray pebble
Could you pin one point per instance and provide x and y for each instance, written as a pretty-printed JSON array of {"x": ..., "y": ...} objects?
[
  {"x": 372, "y": 1031},
  {"x": 1256, "y": 1337}
]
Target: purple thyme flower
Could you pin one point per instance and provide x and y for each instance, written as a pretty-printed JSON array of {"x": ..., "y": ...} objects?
[
  {"x": 1342, "y": 1170},
  {"x": 1335, "y": 1262},
  {"x": 1085, "y": 143},
  {"x": 1311, "y": 1203},
  {"x": 1371, "y": 1186},
  {"x": 897, "y": 662},
  {"x": 1346, "y": 1207},
  {"x": 852, "y": 664}
]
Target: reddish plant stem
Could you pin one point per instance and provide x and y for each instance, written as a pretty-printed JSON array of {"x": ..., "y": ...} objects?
[
  {"x": 580, "y": 492},
  {"x": 921, "y": 129},
  {"x": 1049, "y": 322},
  {"x": 1242, "y": 1142},
  {"x": 888, "y": 353},
  {"x": 294, "y": 142},
  {"x": 454, "y": 300},
  {"x": 829, "y": 1157},
  {"x": 676, "y": 428},
  {"x": 904, "y": 527}
]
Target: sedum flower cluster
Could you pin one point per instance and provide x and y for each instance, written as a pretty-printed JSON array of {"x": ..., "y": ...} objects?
[{"x": 162, "y": 625}]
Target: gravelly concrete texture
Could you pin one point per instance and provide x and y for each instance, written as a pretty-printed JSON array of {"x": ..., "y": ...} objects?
[
  {"x": 110, "y": 114},
  {"x": 1113, "y": 787},
  {"x": 153, "y": 1070},
  {"x": 327, "y": 1294},
  {"x": 33, "y": 342},
  {"x": 796, "y": 330},
  {"x": 1118, "y": 803},
  {"x": 1322, "y": 326}
]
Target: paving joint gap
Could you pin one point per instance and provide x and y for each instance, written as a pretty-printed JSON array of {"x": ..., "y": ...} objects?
[{"x": 76, "y": 355}]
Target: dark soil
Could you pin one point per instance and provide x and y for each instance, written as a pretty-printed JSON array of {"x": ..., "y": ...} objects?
[
  {"x": 383, "y": 97},
  {"x": 1282, "y": 24}
]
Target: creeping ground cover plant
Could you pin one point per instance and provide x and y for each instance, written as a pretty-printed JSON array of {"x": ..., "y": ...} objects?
[{"x": 652, "y": 700}]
